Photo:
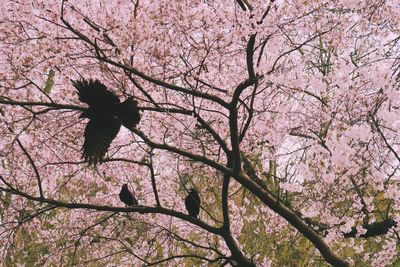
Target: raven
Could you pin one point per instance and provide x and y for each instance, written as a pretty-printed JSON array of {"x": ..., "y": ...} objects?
[
  {"x": 192, "y": 203},
  {"x": 105, "y": 114},
  {"x": 126, "y": 196}
]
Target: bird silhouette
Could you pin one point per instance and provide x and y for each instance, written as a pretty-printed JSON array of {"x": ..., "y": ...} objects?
[
  {"x": 192, "y": 203},
  {"x": 126, "y": 196},
  {"x": 106, "y": 115}
]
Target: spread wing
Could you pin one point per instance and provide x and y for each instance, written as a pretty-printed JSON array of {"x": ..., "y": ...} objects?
[
  {"x": 128, "y": 113},
  {"x": 94, "y": 92},
  {"x": 99, "y": 134}
]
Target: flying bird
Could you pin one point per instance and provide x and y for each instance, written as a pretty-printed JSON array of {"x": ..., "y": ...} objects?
[
  {"x": 192, "y": 203},
  {"x": 106, "y": 115},
  {"x": 126, "y": 196}
]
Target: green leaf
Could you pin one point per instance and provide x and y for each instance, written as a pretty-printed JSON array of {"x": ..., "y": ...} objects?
[
  {"x": 50, "y": 82},
  {"x": 7, "y": 199}
]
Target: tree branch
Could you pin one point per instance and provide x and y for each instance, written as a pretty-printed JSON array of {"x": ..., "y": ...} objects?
[
  {"x": 144, "y": 209},
  {"x": 102, "y": 57},
  {"x": 153, "y": 180},
  {"x": 33, "y": 166},
  {"x": 185, "y": 153},
  {"x": 43, "y": 104},
  {"x": 292, "y": 218}
]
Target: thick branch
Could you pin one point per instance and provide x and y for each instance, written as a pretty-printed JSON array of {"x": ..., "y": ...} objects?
[
  {"x": 241, "y": 4},
  {"x": 233, "y": 112},
  {"x": 237, "y": 254},
  {"x": 292, "y": 218},
  {"x": 143, "y": 209},
  {"x": 225, "y": 207},
  {"x": 249, "y": 56}
]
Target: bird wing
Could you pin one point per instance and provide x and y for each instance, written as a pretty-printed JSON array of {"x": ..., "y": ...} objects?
[
  {"x": 196, "y": 202},
  {"x": 196, "y": 196},
  {"x": 128, "y": 113},
  {"x": 93, "y": 92},
  {"x": 192, "y": 204},
  {"x": 126, "y": 196},
  {"x": 189, "y": 204},
  {"x": 99, "y": 134},
  {"x": 134, "y": 200}
]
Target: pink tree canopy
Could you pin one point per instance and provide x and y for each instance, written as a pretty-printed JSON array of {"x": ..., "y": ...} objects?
[{"x": 283, "y": 115}]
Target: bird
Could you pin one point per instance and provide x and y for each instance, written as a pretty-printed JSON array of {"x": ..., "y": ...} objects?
[
  {"x": 126, "y": 196},
  {"x": 106, "y": 115},
  {"x": 192, "y": 203}
]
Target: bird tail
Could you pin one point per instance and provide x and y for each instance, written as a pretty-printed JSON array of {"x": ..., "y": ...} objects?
[{"x": 128, "y": 113}]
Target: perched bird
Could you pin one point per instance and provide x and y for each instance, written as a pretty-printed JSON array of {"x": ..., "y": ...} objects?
[
  {"x": 105, "y": 114},
  {"x": 192, "y": 203},
  {"x": 126, "y": 196}
]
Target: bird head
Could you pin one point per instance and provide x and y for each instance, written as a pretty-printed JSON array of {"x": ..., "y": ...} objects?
[
  {"x": 192, "y": 190},
  {"x": 125, "y": 186}
]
